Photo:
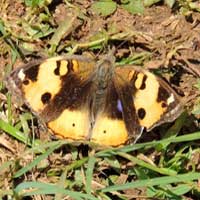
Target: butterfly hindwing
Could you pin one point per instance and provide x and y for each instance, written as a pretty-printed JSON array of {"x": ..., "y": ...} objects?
[
  {"x": 126, "y": 99},
  {"x": 109, "y": 128}
]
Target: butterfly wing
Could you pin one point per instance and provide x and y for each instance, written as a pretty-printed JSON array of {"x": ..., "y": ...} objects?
[
  {"x": 117, "y": 123},
  {"x": 152, "y": 101},
  {"x": 57, "y": 90},
  {"x": 109, "y": 128}
]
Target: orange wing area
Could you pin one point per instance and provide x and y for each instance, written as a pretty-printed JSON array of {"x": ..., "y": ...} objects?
[
  {"x": 71, "y": 124},
  {"x": 109, "y": 131},
  {"x": 45, "y": 82},
  {"x": 110, "y": 128}
]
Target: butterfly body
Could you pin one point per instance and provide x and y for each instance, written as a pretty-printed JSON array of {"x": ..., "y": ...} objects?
[{"x": 80, "y": 99}]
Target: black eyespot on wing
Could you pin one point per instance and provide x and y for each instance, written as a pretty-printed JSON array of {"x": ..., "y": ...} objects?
[
  {"x": 164, "y": 105},
  {"x": 141, "y": 113},
  {"x": 45, "y": 98},
  {"x": 26, "y": 82},
  {"x": 163, "y": 94}
]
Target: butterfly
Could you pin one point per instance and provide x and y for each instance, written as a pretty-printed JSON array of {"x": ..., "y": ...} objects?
[{"x": 82, "y": 99}]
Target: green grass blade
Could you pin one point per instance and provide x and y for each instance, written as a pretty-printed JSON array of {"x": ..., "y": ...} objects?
[
  {"x": 154, "y": 181},
  {"x": 36, "y": 161},
  {"x": 89, "y": 174},
  {"x": 35, "y": 188},
  {"x": 165, "y": 171},
  {"x": 14, "y": 132}
]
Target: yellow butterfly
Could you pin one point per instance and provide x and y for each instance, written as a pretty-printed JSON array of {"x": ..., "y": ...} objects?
[{"x": 81, "y": 99}]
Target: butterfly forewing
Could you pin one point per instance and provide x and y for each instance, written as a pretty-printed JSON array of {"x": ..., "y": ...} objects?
[
  {"x": 57, "y": 90},
  {"x": 153, "y": 101}
]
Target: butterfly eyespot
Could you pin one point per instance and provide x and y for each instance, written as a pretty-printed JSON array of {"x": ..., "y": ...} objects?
[
  {"x": 141, "y": 113},
  {"x": 104, "y": 131},
  {"x": 46, "y": 97},
  {"x": 73, "y": 125},
  {"x": 164, "y": 105},
  {"x": 26, "y": 82}
]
